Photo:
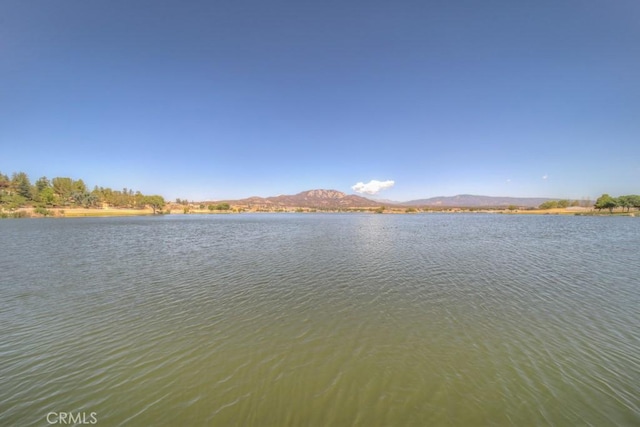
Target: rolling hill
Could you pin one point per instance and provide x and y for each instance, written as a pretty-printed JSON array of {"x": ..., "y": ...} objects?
[
  {"x": 333, "y": 199},
  {"x": 473, "y": 201},
  {"x": 328, "y": 199}
]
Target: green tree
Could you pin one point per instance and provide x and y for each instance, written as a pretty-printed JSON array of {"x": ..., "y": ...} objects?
[
  {"x": 635, "y": 200},
  {"x": 563, "y": 203},
  {"x": 139, "y": 200},
  {"x": 4, "y": 182},
  {"x": 90, "y": 200},
  {"x": 107, "y": 196},
  {"x": 62, "y": 187},
  {"x": 78, "y": 187},
  {"x": 13, "y": 201},
  {"x": 77, "y": 197},
  {"x": 551, "y": 204},
  {"x": 21, "y": 185},
  {"x": 42, "y": 183},
  {"x": 97, "y": 194},
  {"x": 606, "y": 202},
  {"x": 87, "y": 200},
  {"x": 47, "y": 196},
  {"x": 629, "y": 201},
  {"x": 624, "y": 202},
  {"x": 156, "y": 202},
  {"x": 4, "y": 188}
]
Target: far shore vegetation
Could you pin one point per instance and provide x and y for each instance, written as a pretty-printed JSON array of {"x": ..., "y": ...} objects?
[
  {"x": 54, "y": 197},
  {"x": 67, "y": 197}
]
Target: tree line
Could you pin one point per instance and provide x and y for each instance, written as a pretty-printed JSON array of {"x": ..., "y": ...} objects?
[
  {"x": 18, "y": 191},
  {"x": 564, "y": 203},
  {"x": 603, "y": 202},
  {"x": 625, "y": 202}
]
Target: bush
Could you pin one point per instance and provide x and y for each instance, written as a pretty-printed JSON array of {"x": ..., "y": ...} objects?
[
  {"x": 219, "y": 207},
  {"x": 551, "y": 204},
  {"x": 42, "y": 211}
]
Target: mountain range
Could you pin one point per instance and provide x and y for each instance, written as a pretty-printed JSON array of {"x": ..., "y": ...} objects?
[
  {"x": 469, "y": 200},
  {"x": 309, "y": 199},
  {"x": 333, "y": 199}
]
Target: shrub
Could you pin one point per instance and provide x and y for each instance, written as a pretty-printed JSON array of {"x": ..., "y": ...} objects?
[
  {"x": 551, "y": 204},
  {"x": 42, "y": 211}
]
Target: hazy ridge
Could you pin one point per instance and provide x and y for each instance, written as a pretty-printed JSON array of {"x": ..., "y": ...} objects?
[{"x": 337, "y": 199}]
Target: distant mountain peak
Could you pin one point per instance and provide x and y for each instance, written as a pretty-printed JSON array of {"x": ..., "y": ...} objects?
[{"x": 318, "y": 198}]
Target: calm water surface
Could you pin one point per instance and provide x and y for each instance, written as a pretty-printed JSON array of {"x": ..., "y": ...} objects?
[{"x": 304, "y": 319}]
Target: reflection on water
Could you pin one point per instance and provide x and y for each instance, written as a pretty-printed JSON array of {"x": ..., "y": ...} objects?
[{"x": 321, "y": 320}]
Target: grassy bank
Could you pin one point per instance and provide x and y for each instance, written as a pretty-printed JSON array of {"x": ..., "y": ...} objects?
[
  {"x": 115, "y": 212},
  {"x": 73, "y": 212}
]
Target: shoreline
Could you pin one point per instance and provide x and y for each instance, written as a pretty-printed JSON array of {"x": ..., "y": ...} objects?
[
  {"x": 79, "y": 212},
  {"x": 120, "y": 212}
]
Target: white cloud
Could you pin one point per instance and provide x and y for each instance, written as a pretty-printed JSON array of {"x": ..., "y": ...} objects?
[
  {"x": 372, "y": 187},
  {"x": 545, "y": 176}
]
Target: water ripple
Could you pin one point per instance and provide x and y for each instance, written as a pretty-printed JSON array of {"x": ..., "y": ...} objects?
[{"x": 322, "y": 320}]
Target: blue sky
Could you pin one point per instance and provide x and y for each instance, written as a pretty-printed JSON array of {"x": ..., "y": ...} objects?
[{"x": 230, "y": 99}]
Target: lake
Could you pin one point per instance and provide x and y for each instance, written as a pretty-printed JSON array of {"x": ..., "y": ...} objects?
[{"x": 321, "y": 319}]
